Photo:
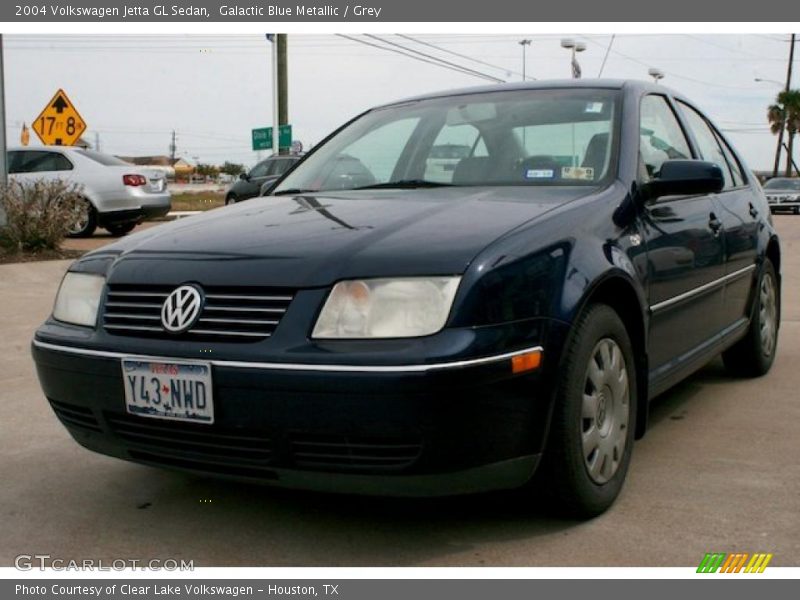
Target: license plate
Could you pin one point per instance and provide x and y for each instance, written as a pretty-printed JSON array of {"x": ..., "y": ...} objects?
[
  {"x": 176, "y": 390},
  {"x": 156, "y": 185}
]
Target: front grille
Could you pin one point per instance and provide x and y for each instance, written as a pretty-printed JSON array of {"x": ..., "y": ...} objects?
[
  {"x": 345, "y": 452},
  {"x": 170, "y": 442},
  {"x": 74, "y": 416},
  {"x": 240, "y": 314}
]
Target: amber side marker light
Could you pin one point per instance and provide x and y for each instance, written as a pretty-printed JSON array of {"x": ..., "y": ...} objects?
[{"x": 526, "y": 362}]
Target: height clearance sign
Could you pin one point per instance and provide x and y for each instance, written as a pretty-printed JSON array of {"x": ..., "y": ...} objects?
[{"x": 59, "y": 124}]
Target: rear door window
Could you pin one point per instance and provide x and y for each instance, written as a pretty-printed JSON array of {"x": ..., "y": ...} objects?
[
  {"x": 707, "y": 143},
  {"x": 37, "y": 161}
]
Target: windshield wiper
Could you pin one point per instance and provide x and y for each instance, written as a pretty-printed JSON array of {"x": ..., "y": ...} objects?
[
  {"x": 404, "y": 184},
  {"x": 293, "y": 191}
]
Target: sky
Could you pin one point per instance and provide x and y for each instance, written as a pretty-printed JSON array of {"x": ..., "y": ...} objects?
[{"x": 134, "y": 90}]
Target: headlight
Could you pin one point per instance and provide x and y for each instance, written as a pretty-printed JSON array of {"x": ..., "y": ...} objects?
[
  {"x": 78, "y": 299},
  {"x": 387, "y": 308}
]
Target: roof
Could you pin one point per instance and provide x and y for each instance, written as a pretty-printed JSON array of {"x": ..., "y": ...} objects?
[{"x": 544, "y": 84}]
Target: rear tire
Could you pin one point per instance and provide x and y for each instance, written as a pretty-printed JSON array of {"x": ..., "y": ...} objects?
[
  {"x": 85, "y": 221},
  {"x": 753, "y": 355},
  {"x": 591, "y": 438},
  {"x": 120, "y": 230}
]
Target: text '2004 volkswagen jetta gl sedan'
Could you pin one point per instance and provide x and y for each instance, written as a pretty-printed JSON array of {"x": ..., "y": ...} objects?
[{"x": 385, "y": 324}]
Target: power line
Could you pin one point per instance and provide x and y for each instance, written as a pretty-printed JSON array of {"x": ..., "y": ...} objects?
[
  {"x": 475, "y": 60},
  {"x": 435, "y": 63},
  {"x": 670, "y": 73},
  {"x": 436, "y": 58},
  {"x": 608, "y": 51}
]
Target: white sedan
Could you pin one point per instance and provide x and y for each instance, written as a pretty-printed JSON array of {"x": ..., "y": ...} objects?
[{"x": 117, "y": 195}]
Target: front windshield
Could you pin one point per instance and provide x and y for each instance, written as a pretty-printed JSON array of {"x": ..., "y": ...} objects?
[
  {"x": 782, "y": 184},
  {"x": 522, "y": 137}
]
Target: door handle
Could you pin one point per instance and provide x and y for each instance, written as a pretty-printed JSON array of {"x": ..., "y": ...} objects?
[
  {"x": 714, "y": 224},
  {"x": 753, "y": 211}
]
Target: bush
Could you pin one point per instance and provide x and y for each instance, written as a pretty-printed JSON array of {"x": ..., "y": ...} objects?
[{"x": 39, "y": 214}]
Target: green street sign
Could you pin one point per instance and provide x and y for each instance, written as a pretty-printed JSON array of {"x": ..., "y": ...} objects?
[{"x": 262, "y": 137}]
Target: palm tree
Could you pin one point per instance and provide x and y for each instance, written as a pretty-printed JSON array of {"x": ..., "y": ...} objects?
[{"x": 785, "y": 115}]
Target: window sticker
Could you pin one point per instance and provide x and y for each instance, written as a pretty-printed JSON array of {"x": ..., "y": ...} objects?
[
  {"x": 583, "y": 173},
  {"x": 540, "y": 174},
  {"x": 594, "y": 107}
]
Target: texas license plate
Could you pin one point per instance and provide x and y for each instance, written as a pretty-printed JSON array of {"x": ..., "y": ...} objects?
[{"x": 177, "y": 390}]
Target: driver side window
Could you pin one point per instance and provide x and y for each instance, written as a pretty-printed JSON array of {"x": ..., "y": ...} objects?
[
  {"x": 660, "y": 135},
  {"x": 260, "y": 170}
]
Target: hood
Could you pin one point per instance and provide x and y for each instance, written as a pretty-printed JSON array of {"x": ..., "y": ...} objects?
[{"x": 315, "y": 240}]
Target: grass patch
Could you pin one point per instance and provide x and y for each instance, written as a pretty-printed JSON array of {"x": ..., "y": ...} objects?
[
  {"x": 197, "y": 200},
  {"x": 12, "y": 255}
]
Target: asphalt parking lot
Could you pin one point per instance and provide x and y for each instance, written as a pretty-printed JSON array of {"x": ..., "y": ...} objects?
[{"x": 718, "y": 471}]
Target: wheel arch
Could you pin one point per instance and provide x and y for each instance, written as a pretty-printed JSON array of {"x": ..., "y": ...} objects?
[
  {"x": 773, "y": 253},
  {"x": 617, "y": 290}
]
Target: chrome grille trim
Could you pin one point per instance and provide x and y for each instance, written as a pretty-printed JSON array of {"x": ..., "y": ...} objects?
[{"x": 226, "y": 315}]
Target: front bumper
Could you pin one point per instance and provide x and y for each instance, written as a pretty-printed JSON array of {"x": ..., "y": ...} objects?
[{"x": 464, "y": 427}]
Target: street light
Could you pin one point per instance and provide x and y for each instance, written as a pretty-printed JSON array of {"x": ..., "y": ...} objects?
[
  {"x": 576, "y": 47},
  {"x": 656, "y": 74},
  {"x": 524, "y": 43},
  {"x": 759, "y": 80}
]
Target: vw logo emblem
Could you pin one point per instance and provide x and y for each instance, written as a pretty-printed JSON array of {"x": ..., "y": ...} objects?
[{"x": 181, "y": 309}]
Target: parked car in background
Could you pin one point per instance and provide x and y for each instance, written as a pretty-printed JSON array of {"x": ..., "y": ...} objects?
[
  {"x": 783, "y": 193},
  {"x": 250, "y": 183},
  {"x": 117, "y": 195},
  {"x": 377, "y": 332}
]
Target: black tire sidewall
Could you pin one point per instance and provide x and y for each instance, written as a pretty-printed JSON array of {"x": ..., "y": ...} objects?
[
  {"x": 575, "y": 489},
  {"x": 764, "y": 361},
  {"x": 121, "y": 230}
]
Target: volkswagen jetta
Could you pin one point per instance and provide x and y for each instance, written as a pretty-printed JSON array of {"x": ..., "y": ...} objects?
[{"x": 372, "y": 328}]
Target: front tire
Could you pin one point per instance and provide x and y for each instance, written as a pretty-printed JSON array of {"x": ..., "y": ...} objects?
[
  {"x": 753, "y": 355},
  {"x": 230, "y": 199},
  {"x": 120, "y": 230},
  {"x": 591, "y": 437},
  {"x": 85, "y": 220}
]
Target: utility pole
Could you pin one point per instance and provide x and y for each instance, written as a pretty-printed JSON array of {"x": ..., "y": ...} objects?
[
  {"x": 794, "y": 164},
  {"x": 173, "y": 147},
  {"x": 271, "y": 38},
  {"x": 783, "y": 126},
  {"x": 97, "y": 141},
  {"x": 524, "y": 44},
  {"x": 3, "y": 159},
  {"x": 283, "y": 84}
]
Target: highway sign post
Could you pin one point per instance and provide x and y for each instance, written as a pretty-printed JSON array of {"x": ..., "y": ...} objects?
[
  {"x": 262, "y": 137},
  {"x": 59, "y": 123}
]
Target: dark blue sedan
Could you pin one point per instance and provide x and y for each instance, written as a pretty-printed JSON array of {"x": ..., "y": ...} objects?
[{"x": 383, "y": 324}]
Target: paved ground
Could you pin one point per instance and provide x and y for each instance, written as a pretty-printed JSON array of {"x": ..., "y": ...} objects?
[{"x": 718, "y": 471}]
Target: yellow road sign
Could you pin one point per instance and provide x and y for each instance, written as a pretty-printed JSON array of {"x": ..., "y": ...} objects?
[{"x": 59, "y": 124}]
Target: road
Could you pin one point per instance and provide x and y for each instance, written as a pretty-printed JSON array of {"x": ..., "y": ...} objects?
[{"x": 718, "y": 471}]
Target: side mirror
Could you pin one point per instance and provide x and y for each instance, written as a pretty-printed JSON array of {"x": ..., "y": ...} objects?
[
  {"x": 681, "y": 177},
  {"x": 244, "y": 176}
]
